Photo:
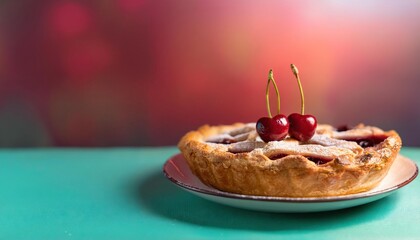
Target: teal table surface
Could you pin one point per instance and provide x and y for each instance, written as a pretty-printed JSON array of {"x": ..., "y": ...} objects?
[{"x": 121, "y": 193}]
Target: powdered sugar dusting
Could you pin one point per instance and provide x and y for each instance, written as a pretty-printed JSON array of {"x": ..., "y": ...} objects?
[{"x": 327, "y": 143}]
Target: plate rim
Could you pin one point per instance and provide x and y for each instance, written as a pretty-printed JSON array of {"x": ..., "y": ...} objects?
[{"x": 218, "y": 193}]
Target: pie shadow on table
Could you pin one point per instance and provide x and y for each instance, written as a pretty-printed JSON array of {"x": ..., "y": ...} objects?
[{"x": 161, "y": 197}]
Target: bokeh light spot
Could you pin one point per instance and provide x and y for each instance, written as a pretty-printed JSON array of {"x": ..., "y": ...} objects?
[{"x": 68, "y": 19}]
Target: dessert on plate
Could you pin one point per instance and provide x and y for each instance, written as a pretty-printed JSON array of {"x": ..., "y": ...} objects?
[{"x": 290, "y": 156}]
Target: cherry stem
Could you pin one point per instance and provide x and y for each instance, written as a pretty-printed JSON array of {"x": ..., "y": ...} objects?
[
  {"x": 302, "y": 97},
  {"x": 267, "y": 92}
]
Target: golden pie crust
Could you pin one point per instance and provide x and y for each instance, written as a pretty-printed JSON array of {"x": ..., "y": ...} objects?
[{"x": 233, "y": 158}]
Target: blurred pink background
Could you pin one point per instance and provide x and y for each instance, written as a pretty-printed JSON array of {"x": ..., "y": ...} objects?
[{"x": 144, "y": 72}]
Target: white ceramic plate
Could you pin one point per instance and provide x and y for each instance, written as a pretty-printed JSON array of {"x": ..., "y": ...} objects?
[{"x": 402, "y": 172}]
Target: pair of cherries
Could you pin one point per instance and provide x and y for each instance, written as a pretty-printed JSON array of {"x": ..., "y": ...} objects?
[{"x": 299, "y": 126}]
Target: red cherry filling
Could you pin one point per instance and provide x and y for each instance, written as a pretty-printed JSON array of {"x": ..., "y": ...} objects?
[
  {"x": 273, "y": 129},
  {"x": 371, "y": 141},
  {"x": 343, "y": 128},
  {"x": 302, "y": 127}
]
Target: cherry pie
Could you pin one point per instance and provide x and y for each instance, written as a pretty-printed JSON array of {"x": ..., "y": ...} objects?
[{"x": 335, "y": 161}]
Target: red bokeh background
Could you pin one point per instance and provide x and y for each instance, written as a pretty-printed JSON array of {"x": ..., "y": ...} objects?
[{"x": 143, "y": 72}]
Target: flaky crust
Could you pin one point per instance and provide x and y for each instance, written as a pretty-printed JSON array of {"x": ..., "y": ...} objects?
[{"x": 294, "y": 175}]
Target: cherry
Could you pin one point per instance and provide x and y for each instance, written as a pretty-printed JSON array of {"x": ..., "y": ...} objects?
[
  {"x": 273, "y": 129},
  {"x": 302, "y": 127}
]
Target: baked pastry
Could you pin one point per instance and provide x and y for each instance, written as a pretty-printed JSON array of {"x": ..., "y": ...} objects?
[{"x": 333, "y": 162}]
